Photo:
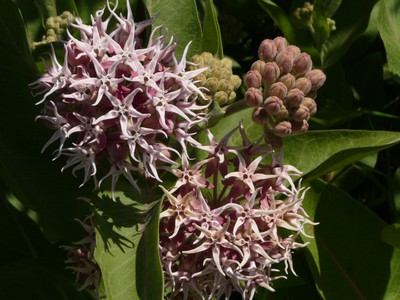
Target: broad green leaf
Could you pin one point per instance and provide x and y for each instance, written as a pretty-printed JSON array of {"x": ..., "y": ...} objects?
[
  {"x": 391, "y": 235},
  {"x": 389, "y": 24},
  {"x": 127, "y": 244},
  {"x": 32, "y": 177},
  {"x": 393, "y": 287},
  {"x": 347, "y": 253},
  {"x": 212, "y": 41},
  {"x": 181, "y": 19},
  {"x": 319, "y": 152},
  {"x": 351, "y": 20},
  {"x": 44, "y": 279}
]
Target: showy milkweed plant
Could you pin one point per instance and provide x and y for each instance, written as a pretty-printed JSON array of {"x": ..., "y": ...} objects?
[{"x": 170, "y": 151}]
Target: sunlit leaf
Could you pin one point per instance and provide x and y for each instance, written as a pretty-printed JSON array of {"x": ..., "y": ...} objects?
[
  {"x": 127, "y": 244},
  {"x": 182, "y": 21}
]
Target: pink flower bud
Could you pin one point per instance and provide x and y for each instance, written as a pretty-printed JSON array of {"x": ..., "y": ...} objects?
[
  {"x": 312, "y": 94},
  {"x": 303, "y": 84},
  {"x": 302, "y": 64},
  {"x": 283, "y": 129},
  {"x": 258, "y": 65},
  {"x": 267, "y": 50},
  {"x": 294, "y": 50},
  {"x": 317, "y": 78},
  {"x": 280, "y": 43},
  {"x": 259, "y": 116},
  {"x": 310, "y": 104},
  {"x": 284, "y": 59},
  {"x": 301, "y": 113},
  {"x": 273, "y": 105},
  {"x": 253, "y": 97},
  {"x": 278, "y": 89},
  {"x": 299, "y": 127},
  {"x": 253, "y": 79},
  {"x": 294, "y": 98},
  {"x": 270, "y": 72},
  {"x": 288, "y": 80}
]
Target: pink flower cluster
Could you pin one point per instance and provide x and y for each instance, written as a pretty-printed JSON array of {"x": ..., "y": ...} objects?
[
  {"x": 117, "y": 100},
  {"x": 228, "y": 221}
]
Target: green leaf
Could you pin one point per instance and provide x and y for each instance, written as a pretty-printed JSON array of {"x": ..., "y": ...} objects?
[
  {"x": 127, "y": 244},
  {"x": 181, "y": 19},
  {"x": 327, "y": 7},
  {"x": 347, "y": 253},
  {"x": 212, "y": 41},
  {"x": 391, "y": 235},
  {"x": 319, "y": 152},
  {"x": 393, "y": 287},
  {"x": 30, "y": 176},
  {"x": 350, "y": 21},
  {"x": 389, "y": 24}
]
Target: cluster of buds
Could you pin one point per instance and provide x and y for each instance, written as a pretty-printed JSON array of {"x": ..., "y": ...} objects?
[
  {"x": 119, "y": 101},
  {"x": 303, "y": 17},
  {"x": 229, "y": 221},
  {"x": 282, "y": 87},
  {"x": 218, "y": 79},
  {"x": 55, "y": 28},
  {"x": 81, "y": 258}
]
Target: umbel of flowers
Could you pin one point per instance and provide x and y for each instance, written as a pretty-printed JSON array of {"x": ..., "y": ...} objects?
[
  {"x": 282, "y": 86},
  {"x": 116, "y": 100},
  {"x": 230, "y": 222}
]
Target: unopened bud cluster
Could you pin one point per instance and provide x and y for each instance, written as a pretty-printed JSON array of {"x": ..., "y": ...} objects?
[
  {"x": 218, "y": 78},
  {"x": 303, "y": 17},
  {"x": 56, "y": 28},
  {"x": 282, "y": 87}
]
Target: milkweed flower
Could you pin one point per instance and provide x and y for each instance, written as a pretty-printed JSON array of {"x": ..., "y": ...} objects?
[
  {"x": 117, "y": 101},
  {"x": 236, "y": 233}
]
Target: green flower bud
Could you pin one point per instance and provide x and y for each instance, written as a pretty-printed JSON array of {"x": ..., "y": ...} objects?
[
  {"x": 225, "y": 85},
  {"x": 278, "y": 89},
  {"x": 216, "y": 63},
  {"x": 226, "y": 73},
  {"x": 272, "y": 105},
  {"x": 302, "y": 64},
  {"x": 282, "y": 129},
  {"x": 288, "y": 80},
  {"x": 51, "y": 32},
  {"x": 259, "y": 116},
  {"x": 215, "y": 72},
  {"x": 281, "y": 43},
  {"x": 226, "y": 63},
  {"x": 236, "y": 81},
  {"x": 221, "y": 97},
  {"x": 207, "y": 99},
  {"x": 317, "y": 78},
  {"x": 284, "y": 59},
  {"x": 270, "y": 72},
  {"x": 303, "y": 84},
  {"x": 201, "y": 80},
  {"x": 301, "y": 113},
  {"x": 253, "y": 79},
  {"x": 253, "y": 97},
  {"x": 294, "y": 98},
  {"x": 51, "y": 39},
  {"x": 212, "y": 84},
  {"x": 50, "y": 23},
  {"x": 207, "y": 58},
  {"x": 267, "y": 50},
  {"x": 198, "y": 60},
  {"x": 232, "y": 97}
]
